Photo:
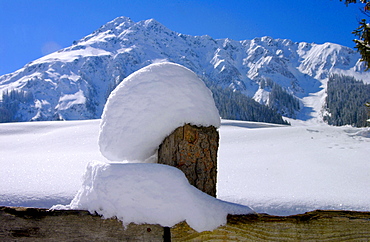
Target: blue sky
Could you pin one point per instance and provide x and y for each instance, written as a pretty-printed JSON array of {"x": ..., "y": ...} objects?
[{"x": 29, "y": 29}]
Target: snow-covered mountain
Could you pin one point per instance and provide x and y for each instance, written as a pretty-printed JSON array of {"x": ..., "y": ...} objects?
[{"x": 74, "y": 83}]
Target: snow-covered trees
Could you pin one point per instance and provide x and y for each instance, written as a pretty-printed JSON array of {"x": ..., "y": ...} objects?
[
  {"x": 283, "y": 102},
  {"x": 363, "y": 41},
  {"x": 280, "y": 100},
  {"x": 234, "y": 105},
  {"x": 10, "y": 102},
  {"x": 346, "y": 100}
]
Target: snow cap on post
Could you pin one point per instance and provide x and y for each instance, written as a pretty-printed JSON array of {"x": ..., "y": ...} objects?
[{"x": 148, "y": 105}]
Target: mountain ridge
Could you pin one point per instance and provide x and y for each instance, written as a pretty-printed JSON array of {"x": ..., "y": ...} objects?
[{"x": 74, "y": 82}]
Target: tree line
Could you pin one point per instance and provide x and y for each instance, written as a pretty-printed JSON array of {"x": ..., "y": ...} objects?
[
  {"x": 231, "y": 105},
  {"x": 345, "y": 101},
  {"x": 234, "y": 105},
  {"x": 9, "y": 104},
  {"x": 280, "y": 100}
]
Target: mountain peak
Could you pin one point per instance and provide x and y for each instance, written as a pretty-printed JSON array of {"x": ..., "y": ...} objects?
[
  {"x": 152, "y": 24},
  {"x": 116, "y": 23},
  {"x": 75, "y": 82},
  {"x": 151, "y": 21},
  {"x": 116, "y": 26}
]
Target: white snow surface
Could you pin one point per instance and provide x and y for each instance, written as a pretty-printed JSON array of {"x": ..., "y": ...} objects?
[
  {"x": 150, "y": 104},
  {"x": 273, "y": 169},
  {"x": 149, "y": 193},
  {"x": 290, "y": 170},
  {"x": 42, "y": 162}
]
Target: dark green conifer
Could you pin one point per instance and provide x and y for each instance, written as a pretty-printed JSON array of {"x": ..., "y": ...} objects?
[{"x": 363, "y": 34}]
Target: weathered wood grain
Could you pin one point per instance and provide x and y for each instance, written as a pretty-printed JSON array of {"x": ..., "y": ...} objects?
[
  {"x": 312, "y": 226},
  {"x": 32, "y": 224}
]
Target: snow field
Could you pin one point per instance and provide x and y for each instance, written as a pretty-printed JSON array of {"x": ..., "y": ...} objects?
[
  {"x": 273, "y": 169},
  {"x": 290, "y": 170},
  {"x": 42, "y": 162}
]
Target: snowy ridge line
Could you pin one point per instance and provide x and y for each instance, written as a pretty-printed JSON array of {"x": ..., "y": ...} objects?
[{"x": 74, "y": 83}]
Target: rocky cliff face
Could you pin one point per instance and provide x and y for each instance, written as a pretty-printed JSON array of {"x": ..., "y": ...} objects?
[{"x": 74, "y": 83}]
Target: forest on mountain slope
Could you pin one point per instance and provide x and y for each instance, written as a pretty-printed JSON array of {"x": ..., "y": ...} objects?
[
  {"x": 345, "y": 101},
  {"x": 231, "y": 105},
  {"x": 280, "y": 100},
  {"x": 234, "y": 105}
]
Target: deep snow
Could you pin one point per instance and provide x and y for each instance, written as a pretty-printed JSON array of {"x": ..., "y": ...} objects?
[
  {"x": 149, "y": 193},
  {"x": 149, "y": 105},
  {"x": 140, "y": 113},
  {"x": 275, "y": 169}
]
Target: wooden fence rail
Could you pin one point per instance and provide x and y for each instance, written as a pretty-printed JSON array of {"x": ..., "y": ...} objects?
[{"x": 33, "y": 224}]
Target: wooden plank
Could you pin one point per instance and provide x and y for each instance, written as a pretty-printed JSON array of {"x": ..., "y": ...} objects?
[
  {"x": 313, "y": 226},
  {"x": 33, "y": 224}
]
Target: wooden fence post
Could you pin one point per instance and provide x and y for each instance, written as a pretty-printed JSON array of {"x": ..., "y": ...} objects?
[{"x": 193, "y": 150}]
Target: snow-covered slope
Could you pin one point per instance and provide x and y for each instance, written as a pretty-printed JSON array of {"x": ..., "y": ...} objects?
[{"x": 75, "y": 82}]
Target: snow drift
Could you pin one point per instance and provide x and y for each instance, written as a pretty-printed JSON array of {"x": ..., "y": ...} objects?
[{"x": 149, "y": 193}]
